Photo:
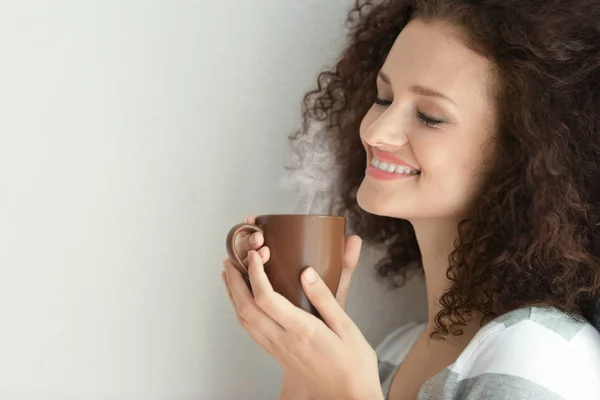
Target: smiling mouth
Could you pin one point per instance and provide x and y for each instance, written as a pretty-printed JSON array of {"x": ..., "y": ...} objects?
[{"x": 393, "y": 168}]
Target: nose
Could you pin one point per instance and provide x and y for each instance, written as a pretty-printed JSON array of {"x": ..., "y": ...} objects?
[{"x": 387, "y": 129}]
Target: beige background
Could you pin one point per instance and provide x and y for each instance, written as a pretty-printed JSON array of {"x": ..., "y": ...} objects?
[{"x": 132, "y": 135}]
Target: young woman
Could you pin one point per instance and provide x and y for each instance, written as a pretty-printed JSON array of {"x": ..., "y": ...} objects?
[{"x": 467, "y": 136}]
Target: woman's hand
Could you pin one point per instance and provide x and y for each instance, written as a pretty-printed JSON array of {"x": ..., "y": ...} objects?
[
  {"x": 332, "y": 358},
  {"x": 247, "y": 242},
  {"x": 292, "y": 387}
]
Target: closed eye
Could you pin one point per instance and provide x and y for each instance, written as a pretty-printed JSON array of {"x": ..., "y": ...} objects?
[
  {"x": 381, "y": 102},
  {"x": 427, "y": 120}
]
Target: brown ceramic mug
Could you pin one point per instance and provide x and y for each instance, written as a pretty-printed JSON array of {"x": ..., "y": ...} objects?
[{"x": 296, "y": 242}]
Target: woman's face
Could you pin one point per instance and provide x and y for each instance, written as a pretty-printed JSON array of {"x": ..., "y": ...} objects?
[{"x": 426, "y": 136}]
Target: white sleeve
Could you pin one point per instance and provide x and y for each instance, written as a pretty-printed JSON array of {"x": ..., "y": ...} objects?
[{"x": 528, "y": 361}]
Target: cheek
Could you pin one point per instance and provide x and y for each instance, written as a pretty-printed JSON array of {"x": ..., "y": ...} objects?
[
  {"x": 443, "y": 155},
  {"x": 452, "y": 171},
  {"x": 434, "y": 151}
]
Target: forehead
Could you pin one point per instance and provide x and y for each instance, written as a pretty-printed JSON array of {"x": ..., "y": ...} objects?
[{"x": 434, "y": 54}]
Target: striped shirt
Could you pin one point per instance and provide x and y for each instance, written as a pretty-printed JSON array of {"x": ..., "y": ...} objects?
[{"x": 532, "y": 353}]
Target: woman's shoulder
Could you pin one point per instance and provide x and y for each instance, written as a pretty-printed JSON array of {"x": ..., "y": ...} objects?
[
  {"x": 527, "y": 331},
  {"x": 535, "y": 349}
]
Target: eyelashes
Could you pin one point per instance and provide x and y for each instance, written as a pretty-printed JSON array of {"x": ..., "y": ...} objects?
[
  {"x": 426, "y": 119},
  {"x": 429, "y": 121},
  {"x": 381, "y": 102}
]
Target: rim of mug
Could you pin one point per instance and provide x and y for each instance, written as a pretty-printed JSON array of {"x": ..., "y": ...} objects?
[{"x": 301, "y": 215}]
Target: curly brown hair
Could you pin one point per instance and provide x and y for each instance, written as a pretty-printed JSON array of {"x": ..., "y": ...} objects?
[{"x": 532, "y": 234}]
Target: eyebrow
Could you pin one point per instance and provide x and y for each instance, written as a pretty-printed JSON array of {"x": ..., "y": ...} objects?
[{"x": 423, "y": 91}]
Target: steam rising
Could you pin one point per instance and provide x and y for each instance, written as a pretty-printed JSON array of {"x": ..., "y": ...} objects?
[{"x": 312, "y": 174}]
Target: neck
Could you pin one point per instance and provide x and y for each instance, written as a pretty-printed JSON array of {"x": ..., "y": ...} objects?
[{"x": 436, "y": 241}]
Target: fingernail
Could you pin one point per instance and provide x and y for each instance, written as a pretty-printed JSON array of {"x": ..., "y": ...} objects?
[{"x": 310, "y": 276}]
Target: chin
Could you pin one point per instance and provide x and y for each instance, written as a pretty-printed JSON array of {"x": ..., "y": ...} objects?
[{"x": 377, "y": 203}]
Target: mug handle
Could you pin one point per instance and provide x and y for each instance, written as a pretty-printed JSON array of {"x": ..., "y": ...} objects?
[{"x": 230, "y": 245}]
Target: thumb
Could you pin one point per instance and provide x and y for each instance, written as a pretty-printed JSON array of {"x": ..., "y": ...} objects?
[
  {"x": 351, "y": 256},
  {"x": 322, "y": 299}
]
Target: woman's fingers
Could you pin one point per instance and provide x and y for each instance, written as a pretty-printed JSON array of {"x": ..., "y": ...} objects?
[
  {"x": 272, "y": 303},
  {"x": 264, "y": 253},
  {"x": 259, "y": 338},
  {"x": 224, "y": 279},
  {"x": 246, "y": 242},
  {"x": 254, "y": 320},
  {"x": 323, "y": 300},
  {"x": 351, "y": 256}
]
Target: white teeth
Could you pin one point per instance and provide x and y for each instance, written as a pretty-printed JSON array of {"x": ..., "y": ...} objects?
[{"x": 393, "y": 168}]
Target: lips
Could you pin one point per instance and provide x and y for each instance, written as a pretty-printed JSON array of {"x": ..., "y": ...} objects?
[
  {"x": 391, "y": 159},
  {"x": 393, "y": 168}
]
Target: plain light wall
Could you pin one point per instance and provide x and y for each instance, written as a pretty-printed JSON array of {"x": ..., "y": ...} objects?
[{"x": 133, "y": 133}]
